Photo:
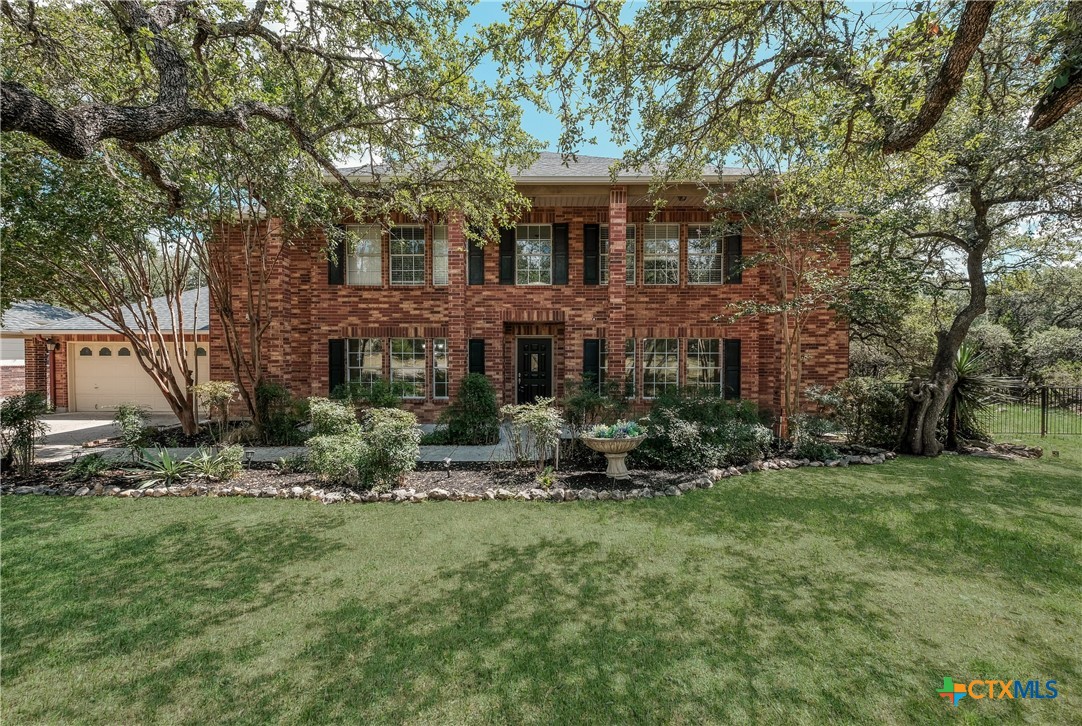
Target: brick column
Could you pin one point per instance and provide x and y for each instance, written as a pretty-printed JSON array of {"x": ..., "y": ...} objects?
[
  {"x": 457, "y": 338},
  {"x": 617, "y": 313}
]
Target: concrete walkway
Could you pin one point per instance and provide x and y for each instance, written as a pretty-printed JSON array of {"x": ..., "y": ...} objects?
[{"x": 69, "y": 431}]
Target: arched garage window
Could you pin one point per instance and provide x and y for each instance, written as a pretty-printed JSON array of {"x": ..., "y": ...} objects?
[
  {"x": 86, "y": 351},
  {"x": 123, "y": 351},
  {"x": 105, "y": 352},
  {"x": 200, "y": 351}
]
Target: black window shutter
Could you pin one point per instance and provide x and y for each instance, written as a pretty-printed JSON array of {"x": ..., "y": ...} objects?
[
  {"x": 734, "y": 244},
  {"x": 336, "y": 359},
  {"x": 730, "y": 356},
  {"x": 591, "y": 254},
  {"x": 477, "y": 356},
  {"x": 591, "y": 360},
  {"x": 507, "y": 256},
  {"x": 336, "y": 268},
  {"x": 559, "y": 254},
  {"x": 476, "y": 274}
]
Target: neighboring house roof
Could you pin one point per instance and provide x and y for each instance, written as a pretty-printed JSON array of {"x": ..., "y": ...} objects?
[
  {"x": 31, "y": 313},
  {"x": 550, "y": 167},
  {"x": 195, "y": 305}
]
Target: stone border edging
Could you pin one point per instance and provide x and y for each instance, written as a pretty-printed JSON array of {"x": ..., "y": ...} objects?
[{"x": 705, "y": 480}]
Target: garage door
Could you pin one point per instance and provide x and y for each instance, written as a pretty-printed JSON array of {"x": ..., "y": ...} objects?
[{"x": 108, "y": 374}]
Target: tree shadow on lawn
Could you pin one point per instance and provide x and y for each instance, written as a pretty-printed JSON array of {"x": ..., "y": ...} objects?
[
  {"x": 995, "y": 519},
  {"x": 71, "y": 601},
  {"x": 569, "y": 632}
]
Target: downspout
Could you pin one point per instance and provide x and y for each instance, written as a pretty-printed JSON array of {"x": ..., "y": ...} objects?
[{"x": 50, "y": 363}]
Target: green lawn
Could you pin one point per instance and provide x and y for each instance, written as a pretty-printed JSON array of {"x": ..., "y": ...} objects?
[{"x": 810, "y": 596}]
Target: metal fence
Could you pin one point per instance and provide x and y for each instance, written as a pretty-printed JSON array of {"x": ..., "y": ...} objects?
[{"x": 1040, "y": 410}]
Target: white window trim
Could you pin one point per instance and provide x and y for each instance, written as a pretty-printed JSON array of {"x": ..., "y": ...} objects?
[
  {"x": 441, "y": 250},
  {"x": 360, "y": 231},
  {"x": 410, "y": 255},
  {"x": 423, "y": 367},
  {"x": 359, "y": 369},
  {"x": 720, "y": 386},
  {"x": 718, "y": 257},
  {"x": 647, "y": 256},
  {"x": 517, "y": 255},
  {"x": 645, "y": 368}
]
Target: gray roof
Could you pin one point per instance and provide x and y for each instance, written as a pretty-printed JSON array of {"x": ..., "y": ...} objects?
[
  {"x": 195, "y": 304},
  {"x": 30, "y": 313},
  {"x": 552, "y": 167}
]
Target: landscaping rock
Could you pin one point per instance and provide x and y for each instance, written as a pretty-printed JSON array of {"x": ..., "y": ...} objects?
[
  {"x": 604, "y": 494},
  {"x": 489, "y": 494},
  {"x": 502, "y": 493},
  {"x": 471, "y": 497},
  {"x": 673, "y": 492},
  {"x": 439, "y": 495},
  {"x": 587, "y": 494},
  {"x": 99, "y": 489},
  {"x": 418, "y": 497},
  {"x": 82, "y": 491}
]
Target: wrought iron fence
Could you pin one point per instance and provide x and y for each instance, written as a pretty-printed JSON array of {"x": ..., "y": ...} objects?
[{"x": 1041, "y": 410}]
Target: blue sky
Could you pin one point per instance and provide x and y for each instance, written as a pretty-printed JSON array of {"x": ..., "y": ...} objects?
[
  {"x": 546, "y": 127},
  {"x": 543, "y": 126}
]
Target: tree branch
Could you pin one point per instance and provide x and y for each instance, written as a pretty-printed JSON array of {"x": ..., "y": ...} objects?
[{"x": 971, "y": 29}]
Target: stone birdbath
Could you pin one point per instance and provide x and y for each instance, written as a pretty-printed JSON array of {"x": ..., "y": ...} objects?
[{"x": 615, "y": 443}]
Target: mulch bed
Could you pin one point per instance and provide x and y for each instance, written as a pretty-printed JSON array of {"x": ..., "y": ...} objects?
[{"x": 471, "y": 478}]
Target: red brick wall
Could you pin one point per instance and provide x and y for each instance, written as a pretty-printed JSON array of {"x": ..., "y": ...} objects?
[
  {"x": 307, "y": 311},
  {"x": 12, "y": 380}
]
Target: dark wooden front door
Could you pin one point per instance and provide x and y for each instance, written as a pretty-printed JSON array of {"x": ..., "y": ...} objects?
[{"x": 534, "y": 368}]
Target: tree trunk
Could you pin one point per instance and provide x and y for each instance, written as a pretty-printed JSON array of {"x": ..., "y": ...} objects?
[{"x": 928, "y": 397}]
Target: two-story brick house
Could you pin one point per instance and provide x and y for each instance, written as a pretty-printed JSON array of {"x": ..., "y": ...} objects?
[{"x": 586, "y": 282}]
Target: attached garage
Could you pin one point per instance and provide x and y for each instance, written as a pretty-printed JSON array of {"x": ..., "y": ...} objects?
[
  {"x": 86, "y": 366},
  {"x": 104, "y": 375}
]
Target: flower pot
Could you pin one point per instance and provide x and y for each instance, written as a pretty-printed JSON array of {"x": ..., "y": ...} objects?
[{"x": 615, "y": 450}]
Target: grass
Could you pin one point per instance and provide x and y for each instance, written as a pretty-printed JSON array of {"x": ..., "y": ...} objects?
[{"x": 809, "y": 596}]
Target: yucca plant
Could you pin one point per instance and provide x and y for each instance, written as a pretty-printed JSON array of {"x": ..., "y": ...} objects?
[
  {"x": 974, "y": 391},
  {"x": 162, "y": 469}
]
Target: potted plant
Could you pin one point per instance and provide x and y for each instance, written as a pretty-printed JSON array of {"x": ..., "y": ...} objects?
[{"x": 615, "y": 441}]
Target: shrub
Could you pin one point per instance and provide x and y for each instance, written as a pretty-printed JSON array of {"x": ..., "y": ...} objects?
[
  {"x": 222, "y": 465},
  {"x": 1061, "y": 374},
  {"x": 376, "y": 394},
  {"x": 281, "y": 414},
  {"x": 807, "y": 438},
  {"x": 473, "y": 418},
  {"x": 87, "y": 467},
  {"x": 291, "y": 464},
  {"x": 1050, "y": 346},
  {"x": 21, "y": 427},
  {"x": 869, "y": 410},
  {"x": 131, "y": 420},
  {"x": 215, "y": 397},
  {"x": 535, "y": 430},
  {"x": 334, "y": 457},
  {"x": 585, "y": 403},
  {"x": 389, "y": 446},
  {"x": 332, "y": 418},
  {"x": 163, "y": 469},
  {"x": 692, "y": 429}
]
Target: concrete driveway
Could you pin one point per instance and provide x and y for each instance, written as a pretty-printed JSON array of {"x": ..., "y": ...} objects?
[{"x": 69, "y": 431}]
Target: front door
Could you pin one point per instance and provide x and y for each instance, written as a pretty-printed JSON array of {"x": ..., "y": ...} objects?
[{"x": 534, "y": 368}]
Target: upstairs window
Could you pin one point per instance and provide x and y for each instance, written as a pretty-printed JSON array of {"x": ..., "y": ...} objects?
[
  {"x": 440, "y": 254},
  {"x": 660, "y": 366},
  {"x": 661, "y": 254},
  {"x": 364, "y": 361},
  {"x": 629, "y": 254},
  {"x": 704, "y": 365},
  {"x": 705, "y": 256},
  {"x": 533, "y": 254},
  {"x": 408, "y": 366},
  {"x": 407, "y": 255},
  {"x": 366, "y": 256}
]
